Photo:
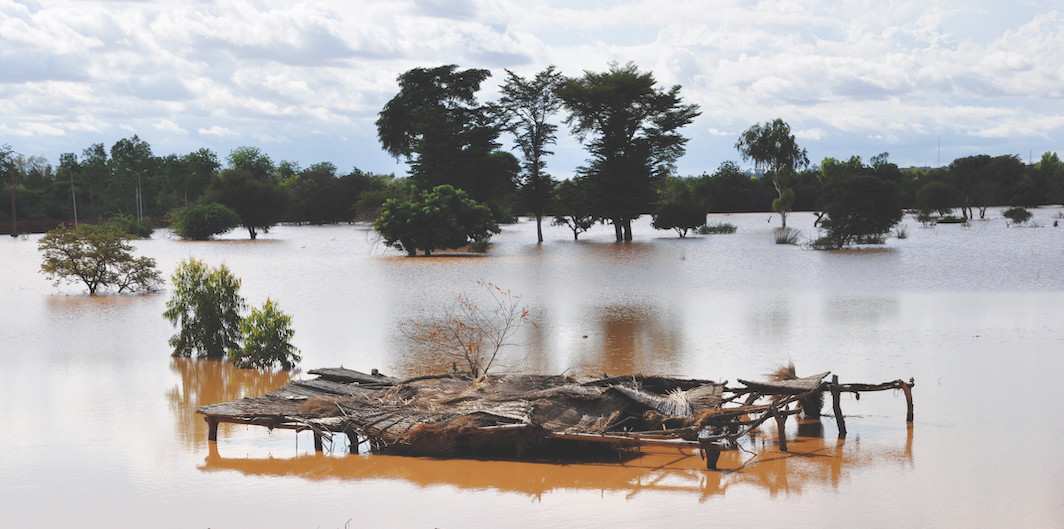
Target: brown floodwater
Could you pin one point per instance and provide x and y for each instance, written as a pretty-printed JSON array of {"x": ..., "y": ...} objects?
[{"x": 100, "y": 428}]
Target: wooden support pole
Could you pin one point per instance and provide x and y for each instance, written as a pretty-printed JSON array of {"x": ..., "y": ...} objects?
[
  {"x": 352, "y": 441},
  {"x": 212, "y": 428},
  {"x": 711, "y": 451},
  {"x": 317, "y": 443},
  {"x": 837, "y": 404},
  {"x": 781, "y": 427},
  {"x": 908, "y": 390}
]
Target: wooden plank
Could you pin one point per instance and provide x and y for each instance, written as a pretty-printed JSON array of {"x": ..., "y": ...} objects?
[
  {"x": 786, "y": 387},
  {"x": 350, "y": 376}
]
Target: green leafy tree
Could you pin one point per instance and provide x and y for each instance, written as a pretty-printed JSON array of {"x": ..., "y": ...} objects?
[
  {"x": 772, "y": 148},
  {"x": 630, "y": 127},
  {"x": 267, "y": 340},
  {"x": 442, "y": 218},
  {"x": 860, "y": 205},
  {"x": 204, "y": 221},
  {"x": 436, "y": 124},
  {"x": 98, "y": 257},
  {"x": 260, "y": 202},
  {"x": 527, "y": 106},
  {"x": 936, "y": 197},
  {"x": 678, "y": 208},
  {"x": 572, "y": 207},
  {"x": 206, "y": 305},
  {"x": 132, "y": 177}
]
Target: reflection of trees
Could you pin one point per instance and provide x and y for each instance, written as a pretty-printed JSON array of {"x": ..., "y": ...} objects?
[
  {"x": 634, "y": 339},
  {"x": 209, "y": 382},
  {"x": 810, "y": 461}
]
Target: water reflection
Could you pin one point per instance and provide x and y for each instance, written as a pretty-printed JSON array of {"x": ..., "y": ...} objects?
[
  {"x": 209, "y": 382},
  {"x": 812, "y": 461},
  {"x": 630, "y": 339}
]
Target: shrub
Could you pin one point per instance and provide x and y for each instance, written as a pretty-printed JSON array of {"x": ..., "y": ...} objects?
[
  {"x": 136, "y": 228},
  {"x": 719, "y": 228},
  {"x": 786, "y": 235},
  {"x": 825, "y": 243},
  {"x": 206, "y": 305},
  {"x": 267, "y": 340},
  {"x": 203, "y": 222},
  {"x": 1017, "y": 215}
]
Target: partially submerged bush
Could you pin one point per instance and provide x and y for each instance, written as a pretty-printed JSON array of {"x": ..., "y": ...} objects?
[
  {"x": 204, "y": 221},
  {"x": 1017, "y": 215},
  {"x": 267, "y": 340},
  {"x": 718, "y": 228},
  {"x": 786, "y": 235},
  {"x": 97, "y": 256}
]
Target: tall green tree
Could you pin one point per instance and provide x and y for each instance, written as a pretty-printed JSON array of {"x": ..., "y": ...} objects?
[
  {"x": 773, "y": 149},
  {"x": 132, "y": 175},
  {"x": 630, "y": 127},
  {"x": 859, "y": 205},
  {"x": 572, "y": 206},
  {"x": 527, "y": 106},
  {"x": 205, "y": 305},
  {"x": 436, "y": 124}
]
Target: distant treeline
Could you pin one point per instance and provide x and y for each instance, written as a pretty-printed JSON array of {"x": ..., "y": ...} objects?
[{"x": 128, "y": 180}]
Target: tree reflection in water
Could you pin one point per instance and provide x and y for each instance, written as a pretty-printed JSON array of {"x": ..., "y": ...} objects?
[{"x": 209, "y": 382}]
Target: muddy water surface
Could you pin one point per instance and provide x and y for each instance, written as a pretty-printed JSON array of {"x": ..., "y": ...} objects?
[{"x": 99, "y": 427}]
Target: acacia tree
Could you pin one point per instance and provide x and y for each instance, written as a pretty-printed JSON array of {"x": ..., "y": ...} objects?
[
  {"x": 206, "y": 305},
  {"x": 527, "y": 106},
  {"x": 572, "y": 207},
  {"x": 442, "y": 218},
  {"x": 436, "y": 124},
  {"x": 772, "y": 148},
  {"x": 630, "y": 129},
  {"x": 97, "y": 256}
]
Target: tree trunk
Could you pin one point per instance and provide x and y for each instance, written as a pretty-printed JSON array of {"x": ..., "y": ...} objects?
[
  {"x": 252, "y": 232},
  {"x": 617, "y": 229},
  {"x": 627, "y": 230},
  {"x": 539, "y": 227}
]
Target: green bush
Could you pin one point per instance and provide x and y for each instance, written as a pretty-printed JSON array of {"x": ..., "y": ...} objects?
[
  {"x": 206, "y": 305},
  {"x": 1017, "y": 215},
  {"x": 137, "y": 228},
  {"x": 203, "y": 222},
  {"x": 267, "y": 340},
  {"x": 720, "y": 227}
]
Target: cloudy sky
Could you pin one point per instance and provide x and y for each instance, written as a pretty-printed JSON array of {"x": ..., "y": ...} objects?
[{"x": 926, "y": 81}]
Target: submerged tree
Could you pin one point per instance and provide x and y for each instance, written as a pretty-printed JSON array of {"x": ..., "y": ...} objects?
[
  {"x": 772, "y": 148},
  {"x": 97, "y": 256},
  {"x": 630, "y": 127},
  {"x": 859, "y": 206},
  {"x": 442, "y": 218},
  {"x": 572, "y": 207},
  {"x": 203, "y": 221},
  {"x": 206, "y": 305},
  {"x": 267, "y": 340},
  {"x": 527, "y": 107},
  {"x": 473, "y": 330}
]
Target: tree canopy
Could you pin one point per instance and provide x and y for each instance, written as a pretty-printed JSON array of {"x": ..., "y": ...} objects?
[
  {"x": 97, "y": 256},
  {"x": 442, "y": 218},
  {"x": 630, "y": 127},
  {"x": 772, "y": 148},
  {"x": 860, "y": 205},
  {"x": 527, "y": 106}
]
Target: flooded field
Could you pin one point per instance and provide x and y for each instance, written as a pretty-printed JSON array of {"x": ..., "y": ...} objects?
[{"x": 100, "y": 427}]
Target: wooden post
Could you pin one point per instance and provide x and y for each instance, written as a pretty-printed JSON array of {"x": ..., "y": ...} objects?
[
  {"x": 352, "y": 441},
  {"x": 781, "y": 426},
  {"x": 837, "y": 404},
  {"x": 908, "y": 390},
  {"x": 212, "y": 428},
  {"x": 317, "y": 443},
  {"x": 711, "y": 451}
]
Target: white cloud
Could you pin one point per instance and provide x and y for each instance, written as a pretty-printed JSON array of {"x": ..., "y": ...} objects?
[
  {"x": 218, "y": 131},
  {"x": 167, "y": 125}
]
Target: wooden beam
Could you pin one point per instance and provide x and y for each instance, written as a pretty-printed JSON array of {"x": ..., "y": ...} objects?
[
  {"x": 212, "y": 428},
  {"x": 837, "y": 405},
  {"x": 781, "y": 427}
]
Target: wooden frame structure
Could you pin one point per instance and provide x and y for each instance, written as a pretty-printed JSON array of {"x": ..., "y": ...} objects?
[{"x": 450, "y": 415}]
